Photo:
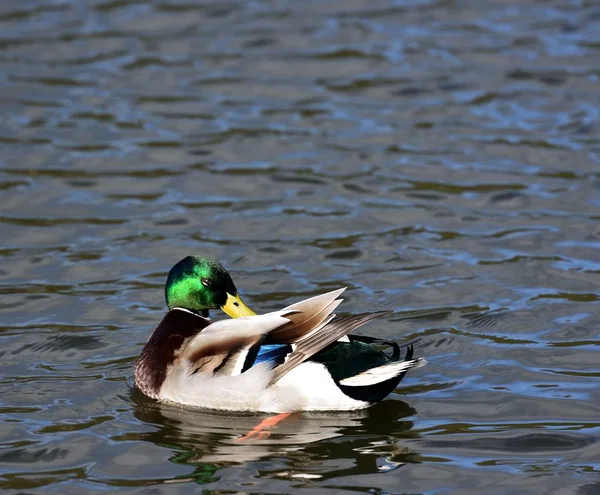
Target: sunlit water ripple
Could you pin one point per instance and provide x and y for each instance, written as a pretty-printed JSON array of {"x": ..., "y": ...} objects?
[{"x": 439, "y": 158}]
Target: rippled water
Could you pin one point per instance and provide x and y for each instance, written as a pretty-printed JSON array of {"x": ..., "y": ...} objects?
[{"x": 440, "y": 158}]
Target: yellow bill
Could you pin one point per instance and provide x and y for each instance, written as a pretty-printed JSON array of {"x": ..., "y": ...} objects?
[{"x": 235, "y": 307}]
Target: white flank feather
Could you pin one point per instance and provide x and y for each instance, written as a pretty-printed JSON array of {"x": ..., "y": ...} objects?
[
  {"x": 308, "y": 387},
  {"x": 381, "y": 373}
]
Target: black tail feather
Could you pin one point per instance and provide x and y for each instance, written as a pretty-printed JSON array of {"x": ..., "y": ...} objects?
[{"x": 396, "y": 348}]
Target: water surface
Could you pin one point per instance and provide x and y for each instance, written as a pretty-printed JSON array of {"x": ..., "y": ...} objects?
[{"x": 439, "y": 158}]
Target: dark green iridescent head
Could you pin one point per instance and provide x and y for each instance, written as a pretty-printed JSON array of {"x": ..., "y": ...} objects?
[{"x": 198, "y": 283}]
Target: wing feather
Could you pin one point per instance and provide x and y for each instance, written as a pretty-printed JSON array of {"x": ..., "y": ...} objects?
[
  {"x": 222, "y": 346},
  {"x": 328, "y": 334},
  {"x": 305, "y": 317}
]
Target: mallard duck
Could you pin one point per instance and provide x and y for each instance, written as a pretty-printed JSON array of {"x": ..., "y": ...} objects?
[{"x": 296, "y": 359}]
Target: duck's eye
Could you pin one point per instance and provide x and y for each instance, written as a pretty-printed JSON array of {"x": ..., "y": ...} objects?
[{"x": 205, "y": 282}]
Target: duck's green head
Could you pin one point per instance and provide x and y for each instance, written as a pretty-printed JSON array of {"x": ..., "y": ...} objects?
[{"x": 199, "y": 283}]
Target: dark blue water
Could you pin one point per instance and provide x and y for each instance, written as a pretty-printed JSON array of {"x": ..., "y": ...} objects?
[{"x": 439, "y": 158}]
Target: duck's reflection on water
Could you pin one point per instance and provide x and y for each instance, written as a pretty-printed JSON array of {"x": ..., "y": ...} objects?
[{"x": 371, "y": 438}]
